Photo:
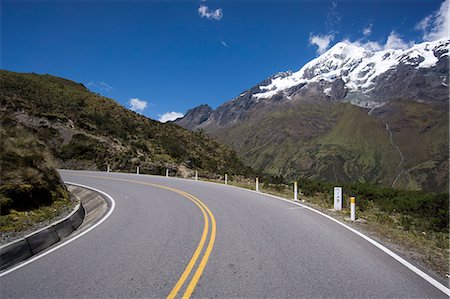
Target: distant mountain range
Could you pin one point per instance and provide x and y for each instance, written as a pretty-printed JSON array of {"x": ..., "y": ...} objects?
[{"x": 349, "y": 115}]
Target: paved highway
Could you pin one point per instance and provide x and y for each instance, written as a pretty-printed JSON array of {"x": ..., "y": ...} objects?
[{"x": 174, "y": 237}]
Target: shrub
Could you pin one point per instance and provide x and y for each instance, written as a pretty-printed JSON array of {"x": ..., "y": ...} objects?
[{"x": 27, "y": 179}]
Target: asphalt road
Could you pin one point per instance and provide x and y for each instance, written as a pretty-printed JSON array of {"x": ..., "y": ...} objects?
[{"x": 260, "y": 247}]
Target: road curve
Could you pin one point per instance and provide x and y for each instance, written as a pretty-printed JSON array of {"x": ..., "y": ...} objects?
[{"x": 210, "y": 240}]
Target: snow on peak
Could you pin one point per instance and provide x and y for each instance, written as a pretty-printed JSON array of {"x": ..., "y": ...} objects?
[
  {"x": 345, "y": 49},
  {"x": 356, "y": 66}
]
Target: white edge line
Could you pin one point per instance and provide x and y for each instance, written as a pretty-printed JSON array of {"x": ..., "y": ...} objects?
[
  {"x": 404, "y": 262},
  {"x": 386, "y": 250},
  {"x": 38, "y": 256}
]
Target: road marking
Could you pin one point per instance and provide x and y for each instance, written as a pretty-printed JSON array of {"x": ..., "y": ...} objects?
[
  {"x": 383, "y": 248},
  {"x": 64, "y": 243},
  {"x": 296, "y": 208},
  {"x": 205, "y": 258},
  {"x": 407, "y": 264},
  {"x": 206, "y": 212},
  {"x": 194, "y": 258}
]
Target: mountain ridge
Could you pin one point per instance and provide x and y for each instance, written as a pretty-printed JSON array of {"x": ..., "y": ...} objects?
[{"x": 411, "y": 81}]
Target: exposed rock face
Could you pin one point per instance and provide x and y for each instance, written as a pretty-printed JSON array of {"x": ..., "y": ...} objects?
[
  {"x": 195, "y": 117},
  {"x": 398, "y": 91},
  {"x": 346, "y": 73}
]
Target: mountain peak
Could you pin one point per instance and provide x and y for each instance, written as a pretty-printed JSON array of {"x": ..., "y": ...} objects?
[
  {"x": 344, "y": 47},
  {"x": 359, "y": 68},
  {"x": 195, "y": 116}
]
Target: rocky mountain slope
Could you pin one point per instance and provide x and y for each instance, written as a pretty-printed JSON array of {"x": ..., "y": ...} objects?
[
  {"x": 82, "y": 130},
  {"x": 349, "y": 115}
]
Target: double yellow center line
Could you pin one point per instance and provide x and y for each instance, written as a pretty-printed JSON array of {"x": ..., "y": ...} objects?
[
  {"x": 206, "y": 212},
  {"x": 208, "y": 218}
]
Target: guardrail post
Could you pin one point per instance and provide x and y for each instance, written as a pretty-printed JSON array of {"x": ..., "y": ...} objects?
[
  {"x": 196, "y": 175},
  {"x": 167, "y": 172},
  {"x": 295, "y": 191},
  {"x": 226, "y": 179},
  {"x": 257, "y": 184},
  {"x": 137, "y": 170},
  {"x": 352, "y": 208}
]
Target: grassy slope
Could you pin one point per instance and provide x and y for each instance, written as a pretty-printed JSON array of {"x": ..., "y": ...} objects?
[
  {"x": 421, "y": 131},
  {"x": 339, "y": 142},
  {"x": 85, "y": 130},
  {"x": 362, "y": 147},
  {"x": 268, "y": 138},
  {"x": 28, "y": 177}
]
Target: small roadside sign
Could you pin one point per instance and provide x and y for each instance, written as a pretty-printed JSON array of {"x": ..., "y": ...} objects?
[{"x": 337, "y": 198}]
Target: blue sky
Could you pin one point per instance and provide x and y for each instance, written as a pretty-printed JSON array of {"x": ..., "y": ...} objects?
[{"x": 168, "y": 56}]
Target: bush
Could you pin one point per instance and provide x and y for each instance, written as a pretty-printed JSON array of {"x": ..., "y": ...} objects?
[
  {"x": 418, "y": 209},
  {"x": 311, "y": 187},
  {"x": 427, "y": 211},
  {"x": 82, "y": 147},
  {"x": 27, "y": 179}
]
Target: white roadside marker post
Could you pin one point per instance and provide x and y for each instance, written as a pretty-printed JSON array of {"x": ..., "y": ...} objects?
[
  {"x": 337, "y": 198},
  {"x": 257, "y": 184},
  {"x": 196, "y": 175},
  {"x": 167, "y": 172},
  {"x": 352, "y": 208},
  {"x": 137, "y": 170},
  {"x": 226, "y": 179},
  {"x": 295, "y": 191},
  {"x": 107, "y": 168}
]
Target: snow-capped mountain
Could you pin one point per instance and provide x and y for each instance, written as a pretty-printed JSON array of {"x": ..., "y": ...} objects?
[
  {"x": 362, "y": 71},
  {"x": 349, "y": 115},
  {"x": 347, "y": 73}
]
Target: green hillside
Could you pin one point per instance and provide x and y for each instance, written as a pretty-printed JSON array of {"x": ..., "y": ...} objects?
[
  {"x": 50, "y": 122},
  {"x": 85, "y": 130},
  {"x": 340, "y": 142}
]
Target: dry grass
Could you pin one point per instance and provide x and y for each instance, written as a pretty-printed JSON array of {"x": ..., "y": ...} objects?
[{"x": 17, "y": 224}]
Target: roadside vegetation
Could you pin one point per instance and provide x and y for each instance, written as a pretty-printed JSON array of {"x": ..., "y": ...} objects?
[{"x": 31, "y": 190}]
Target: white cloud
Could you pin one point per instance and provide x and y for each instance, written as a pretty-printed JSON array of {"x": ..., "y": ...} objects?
[
  {"x": 137, "y": 105},
  {"x": 169, "y": 116},
  {"x": 321, "y": 41},
  {"x": 370, "y": 45},
  {"x": 205, "y": 12},
  {"x": 436, "y": 25},
  {"x": 367, "y": 30},
  {"x": 394, "y": 41},
  {"x": 424, "y": 23},
  {"x": 224, "y": 43}
]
